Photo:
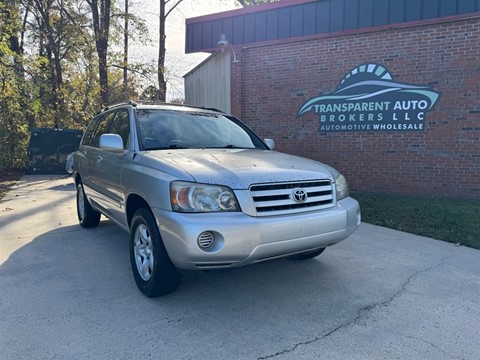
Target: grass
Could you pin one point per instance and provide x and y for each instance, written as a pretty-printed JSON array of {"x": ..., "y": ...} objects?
[{"x": 453, "y": 220}]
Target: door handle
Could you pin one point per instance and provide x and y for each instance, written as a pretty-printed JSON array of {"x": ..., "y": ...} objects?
[{"x": 99, "y": 158}]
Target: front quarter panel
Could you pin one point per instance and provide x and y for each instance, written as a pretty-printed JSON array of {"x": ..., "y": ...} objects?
[{"x": 150, "y": 178}]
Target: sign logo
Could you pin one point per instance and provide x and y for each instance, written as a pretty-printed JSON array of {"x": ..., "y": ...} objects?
[
  {"x": 368, "y": 99},
  {"x": 299, "y": 195}
]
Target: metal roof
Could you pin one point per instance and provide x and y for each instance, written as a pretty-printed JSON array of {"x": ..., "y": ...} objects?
[{"x": 289, "y": 19}]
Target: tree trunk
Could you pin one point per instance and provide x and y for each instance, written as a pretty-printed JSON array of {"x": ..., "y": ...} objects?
[
  {"x": 101, "y": 25},
  {"x": 125, "y": 54},
  {"x": 103, "y": 70},
  {"x": 162, "y": 83},
  {"x": 53, "y": 85},
  {"x": 53, "y": 98}
]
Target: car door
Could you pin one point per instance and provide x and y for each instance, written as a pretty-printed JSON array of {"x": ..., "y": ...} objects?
[
  {"x": 83, "y": 161},
  {"x": 110, "y": 169},
  {"x": 94, "y": 162}
]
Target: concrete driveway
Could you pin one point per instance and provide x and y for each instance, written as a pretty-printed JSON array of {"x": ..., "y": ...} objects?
[{"x": 68, "y": 293}]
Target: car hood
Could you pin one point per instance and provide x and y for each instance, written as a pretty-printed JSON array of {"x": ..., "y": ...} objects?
[{"x": 240, "y": 168}]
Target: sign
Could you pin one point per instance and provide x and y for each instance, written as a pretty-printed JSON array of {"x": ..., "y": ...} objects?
[{"x": 368, "y": 99}]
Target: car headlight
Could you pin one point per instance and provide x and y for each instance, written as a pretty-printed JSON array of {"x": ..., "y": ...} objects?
[
  {"x": 193, "y": 197},
  {"x": 341, "y": 187}
]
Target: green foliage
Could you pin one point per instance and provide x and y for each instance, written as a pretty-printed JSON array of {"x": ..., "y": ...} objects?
[
  {"x": 452, "y": 220},
  {"x": 13, "y": 127},
  {"x": 52, "y": 79},
  {"x": 149, "y": 93}
]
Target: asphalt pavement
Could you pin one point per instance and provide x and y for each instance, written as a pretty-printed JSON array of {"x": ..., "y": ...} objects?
[{"x": 68, "y": 293}]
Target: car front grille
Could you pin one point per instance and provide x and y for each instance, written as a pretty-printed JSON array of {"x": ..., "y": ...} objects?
[{"x": 292, "y": 197}]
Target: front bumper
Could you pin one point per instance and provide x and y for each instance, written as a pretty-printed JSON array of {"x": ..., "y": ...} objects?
[{"x": 241, "y": 239}]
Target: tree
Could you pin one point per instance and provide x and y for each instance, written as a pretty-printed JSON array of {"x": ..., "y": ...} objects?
[
  {"x": 46, "y": 54},
  {"x": 55, "y": 31},
  {"x": 59, "y": 31},
  {"x": 57, "y": 65},
  {"x": 162, "y": 82},
  {"x": 132, "y": 27},
  {"x": 101, "y": 28},
  {"x": 149, "y": 94},
  {"x": 125, "y": 51},
  {"x": 13, "y": 123}
]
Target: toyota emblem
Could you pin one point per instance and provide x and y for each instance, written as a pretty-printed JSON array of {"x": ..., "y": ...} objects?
[{"x": 299, "y": 195}]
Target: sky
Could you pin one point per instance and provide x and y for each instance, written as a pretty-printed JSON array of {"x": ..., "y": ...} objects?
[{"x": 177, "y": 62}]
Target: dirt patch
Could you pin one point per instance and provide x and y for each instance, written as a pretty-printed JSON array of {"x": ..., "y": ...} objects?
[{"x": 8, "y": 178}]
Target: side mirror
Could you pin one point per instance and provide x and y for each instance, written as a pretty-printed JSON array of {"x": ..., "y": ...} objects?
[
  {"x": 270, "y": 143},
  {"x": 69, "y": 163},
  {"x": 111, "y": 142}
]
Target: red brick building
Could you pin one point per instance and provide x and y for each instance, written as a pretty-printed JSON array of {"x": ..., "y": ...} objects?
[{"x": 412, "y": 68}]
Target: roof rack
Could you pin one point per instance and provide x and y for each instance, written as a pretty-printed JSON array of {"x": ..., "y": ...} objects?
[
  {"x": 210, "y": 108},
  {"x": 129, "y": 102},
  {"x": 152, "y": 102}
]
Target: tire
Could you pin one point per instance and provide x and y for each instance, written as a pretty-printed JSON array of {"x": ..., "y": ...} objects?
[
  {"x": 154, "y": 272},
  {"x": 87, "y": 216},
  {"x": 308, "y": 255}
]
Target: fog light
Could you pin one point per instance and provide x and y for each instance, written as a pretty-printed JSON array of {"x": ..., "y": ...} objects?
[{"x": 206, "y": 240}]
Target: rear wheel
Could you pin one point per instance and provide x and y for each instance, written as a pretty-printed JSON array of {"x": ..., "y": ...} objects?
[
  {"x": 308, "y": 255},
  {"x": 87, "y": 216},
  {"x": 153, "y": 270}
]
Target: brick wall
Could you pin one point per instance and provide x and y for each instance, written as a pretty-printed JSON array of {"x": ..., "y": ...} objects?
[{"x": 272, "y": 81}]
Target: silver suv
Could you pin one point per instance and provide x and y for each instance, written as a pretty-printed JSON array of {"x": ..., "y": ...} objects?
[{"x": 197, "y": 189}]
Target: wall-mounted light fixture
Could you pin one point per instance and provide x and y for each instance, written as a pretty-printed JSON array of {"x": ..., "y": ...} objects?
[{"x": 223, "y": 43}]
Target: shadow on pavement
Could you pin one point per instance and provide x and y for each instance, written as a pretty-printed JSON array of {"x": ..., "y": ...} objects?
[
  {"x": 69, "y": 294},
  {"x": 76, "y": 286},
  {"x": 63, "y": 187}
]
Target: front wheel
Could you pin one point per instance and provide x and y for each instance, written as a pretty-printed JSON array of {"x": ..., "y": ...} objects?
[
  {"x": 308, "y": 255},
  {"x": 87, "y": 216},
  {"x": 153, "y": 270}
]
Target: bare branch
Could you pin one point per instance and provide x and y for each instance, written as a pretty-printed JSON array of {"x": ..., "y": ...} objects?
[{"x": 172, "y": 8}]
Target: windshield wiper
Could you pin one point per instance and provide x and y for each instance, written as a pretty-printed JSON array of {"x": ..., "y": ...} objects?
[
  {"x": 172, "y": 146},
  {"x": 231, "y": 146},
  {"x": 176, "y": 146}
]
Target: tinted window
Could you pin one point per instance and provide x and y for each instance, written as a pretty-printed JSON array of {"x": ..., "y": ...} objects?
[
  {"x": 87, "y": 139},
  {"x": 121, "y": 126},
  {"x": 103, "y": 127}
]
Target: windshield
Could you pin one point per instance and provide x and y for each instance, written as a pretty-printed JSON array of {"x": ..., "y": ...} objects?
[{"x": 168, "y": 129}]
